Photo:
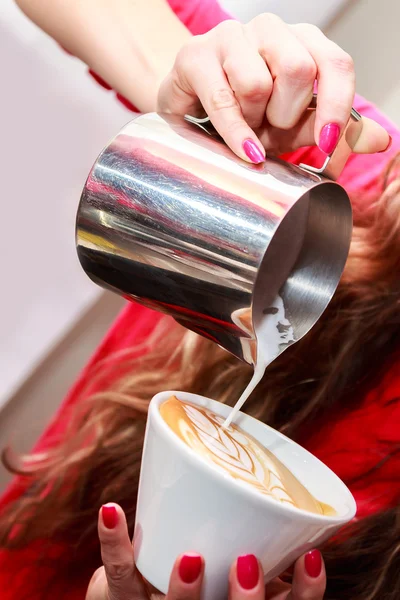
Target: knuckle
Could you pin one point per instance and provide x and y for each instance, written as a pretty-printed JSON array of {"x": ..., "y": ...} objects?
[
  {"x": 307, "y": 29},
  {"x": 283, "y": 120},
  {"x": 222, "y": 98},
  {"x": 343, "y": 63},
  {"x": 283, "y": 123},
  {"x": 228, "y": 27},
  {"x": 173, "y": 92},
  {"x": 119, "y": 571},
  {"x": 234, "y": 126},
  {"x": 266, "y": 20},
  {"x": 302, "y": 70},
  {"x": 173, "y": 81},
  {"x": 182, "y": 63},
  {"x": 189, "y": 54},
  {"x": 287, "y": 123},
  {"x": 253, "y": 89}
]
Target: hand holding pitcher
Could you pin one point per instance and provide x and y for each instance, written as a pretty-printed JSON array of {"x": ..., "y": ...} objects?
[{"x": 255, "y": 81}]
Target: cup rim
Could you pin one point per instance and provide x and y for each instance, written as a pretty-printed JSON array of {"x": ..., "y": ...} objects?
[{"x": 238, "y": 486}]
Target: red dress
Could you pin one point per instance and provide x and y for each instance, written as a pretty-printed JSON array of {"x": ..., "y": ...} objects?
[{"x": 369, "y": 433}]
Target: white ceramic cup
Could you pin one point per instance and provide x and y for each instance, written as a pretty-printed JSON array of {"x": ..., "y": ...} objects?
[{"x": 186, "y": 504}]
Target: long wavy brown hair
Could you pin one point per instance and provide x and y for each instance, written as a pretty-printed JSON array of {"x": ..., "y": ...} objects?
[{"x": 99, "y": 459}]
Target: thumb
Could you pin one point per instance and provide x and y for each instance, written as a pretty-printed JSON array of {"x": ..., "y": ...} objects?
[
  {"x": 117, "y": 555},
  {"x": 373, "y": 137}
]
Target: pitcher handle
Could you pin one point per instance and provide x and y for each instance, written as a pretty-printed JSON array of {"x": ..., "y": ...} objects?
[{"x": 335, "y": 162}]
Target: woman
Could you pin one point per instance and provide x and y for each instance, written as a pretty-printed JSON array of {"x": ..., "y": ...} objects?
[{"x": 336, "y": 391}]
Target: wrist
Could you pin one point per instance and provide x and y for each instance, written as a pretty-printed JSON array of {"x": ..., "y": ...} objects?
[{"x": 131, "y": 53}]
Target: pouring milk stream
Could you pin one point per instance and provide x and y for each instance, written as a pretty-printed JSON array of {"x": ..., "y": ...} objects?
[
  {"x": 273, "y": 329},
  {"x": 169, "y": 217}
]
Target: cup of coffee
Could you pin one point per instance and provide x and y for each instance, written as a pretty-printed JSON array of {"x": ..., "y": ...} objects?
[{"x": 225, "y": 492}]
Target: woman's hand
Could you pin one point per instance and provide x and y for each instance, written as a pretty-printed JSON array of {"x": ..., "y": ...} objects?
[
  {"x": 119, "y": 580},
  {"x": 256, "y": 81}
]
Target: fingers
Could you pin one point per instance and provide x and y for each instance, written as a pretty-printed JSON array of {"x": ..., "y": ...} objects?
[
  {"x": 221, "y": 105},
  {"x": 373, "y": 138},
  {"x": 292, "y": 68},
  {"x": 186, "y": 578},
  {"x": 246, "y": 580},
  {"x": 117, "y": 555},
  {"x": 309, "y": 578},
  {"x": 199, "y": 74},
  {"x": 225, "y": 113},
  {"x": 248, "y": 76},
  {"x": 251, "y": 82},
  {"x": 336, "y": 85},
  {"x": 240, "y": 74},
  {"x": 282, "y": 141}
]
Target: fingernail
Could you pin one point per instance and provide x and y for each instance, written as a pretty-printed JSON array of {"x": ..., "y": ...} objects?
[
  {"x": 100, "y": 80},
  {"x": 190, "y": 567},
  {"x": 126, "y": 103},
  {"x": 109, "y": 515},
  {"x": 248, "y": 572},
  {"x": 313, "y": 563},
  {"x": 329, "y": 137},
  {"x": 388, "y": 146},
  {"x": 253, "y": 152}
]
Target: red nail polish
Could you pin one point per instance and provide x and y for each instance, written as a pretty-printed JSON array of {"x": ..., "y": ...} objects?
[
  {"x": 253, "y": 152},
  {"x": 100, "y": 80},
  {"x": 388, "y": 146},
  {"x": 109, "y": 515},
  {"x": 313, "y": 563},
  {"x": 248, "y": 571},
  {"x": 126, "y": 103},
  {"x": 190, "y": 567},
  {"x": 329, "y": 137}
]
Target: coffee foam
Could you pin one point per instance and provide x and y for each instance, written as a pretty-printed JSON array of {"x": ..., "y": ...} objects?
[{"x": 237, "y": 453}]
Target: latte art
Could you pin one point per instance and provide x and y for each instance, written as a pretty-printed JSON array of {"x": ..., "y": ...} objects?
[{"x": 238, "y": 454}]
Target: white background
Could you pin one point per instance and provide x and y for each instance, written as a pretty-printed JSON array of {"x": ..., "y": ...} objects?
[{"x": 54, "y": 121}]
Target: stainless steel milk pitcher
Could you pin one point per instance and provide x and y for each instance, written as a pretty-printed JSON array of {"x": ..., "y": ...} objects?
[{"x": 171, "y": 218}]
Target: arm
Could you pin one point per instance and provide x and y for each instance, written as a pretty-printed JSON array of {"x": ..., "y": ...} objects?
[{"x": 131, "y": 44}]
